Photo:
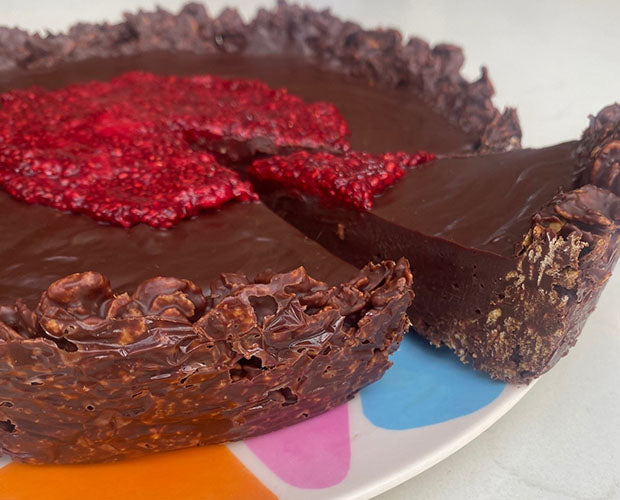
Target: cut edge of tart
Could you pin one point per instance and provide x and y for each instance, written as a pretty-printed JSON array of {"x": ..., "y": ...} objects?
[
  {"x": 562, "y": 265},
  {"x": 512, "y": 313}
]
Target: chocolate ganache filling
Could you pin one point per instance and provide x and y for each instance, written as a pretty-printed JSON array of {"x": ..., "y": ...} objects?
[{"x": 42, "y": 245}]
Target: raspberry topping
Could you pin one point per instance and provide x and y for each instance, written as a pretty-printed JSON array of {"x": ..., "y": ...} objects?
[
  {"x": 77, "y": 156},
  {"x": 121, "y": 151},
  {"x": 354, "y": 178},
  {"x": 243, "y": 110}
]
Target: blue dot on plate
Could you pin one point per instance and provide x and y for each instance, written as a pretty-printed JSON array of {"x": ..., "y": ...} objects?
[{"x": 426, "y": 386}]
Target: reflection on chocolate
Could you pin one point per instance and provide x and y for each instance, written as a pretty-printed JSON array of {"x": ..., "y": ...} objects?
[
  {"x": 484, "y": 202},
  {"x": 42, "y": 245}
]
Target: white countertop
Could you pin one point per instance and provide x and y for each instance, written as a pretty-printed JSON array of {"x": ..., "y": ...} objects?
[{"x": 557, "y": 62}]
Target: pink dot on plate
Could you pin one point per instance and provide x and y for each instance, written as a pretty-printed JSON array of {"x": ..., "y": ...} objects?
[{"x": 313, "y": 454}]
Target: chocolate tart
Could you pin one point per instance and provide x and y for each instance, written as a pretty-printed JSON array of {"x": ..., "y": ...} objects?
[{"x": 156, "y": 332}]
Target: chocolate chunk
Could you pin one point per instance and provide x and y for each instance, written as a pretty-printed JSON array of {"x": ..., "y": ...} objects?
[{"x": 599, "y": 152}]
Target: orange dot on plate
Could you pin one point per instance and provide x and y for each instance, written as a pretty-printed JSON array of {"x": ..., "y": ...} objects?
[{"x": 197, "y": 473}]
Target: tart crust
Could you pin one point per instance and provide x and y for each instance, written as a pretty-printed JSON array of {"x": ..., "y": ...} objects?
[{"x": 168, "y": 368}]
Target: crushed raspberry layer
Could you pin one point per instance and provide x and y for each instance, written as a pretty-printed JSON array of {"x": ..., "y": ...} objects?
[
  {"x": 354, "y": 178},
  {"x": 121, "y": 151},
  {"x": 241, "y": 110}
]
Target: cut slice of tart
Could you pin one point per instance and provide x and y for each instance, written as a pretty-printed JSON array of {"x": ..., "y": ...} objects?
[{"x": 511, "y": 249}]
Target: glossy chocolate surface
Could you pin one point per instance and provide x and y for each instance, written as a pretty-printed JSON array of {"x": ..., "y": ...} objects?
[
  {"x": 40, "y": 244},
  {"x": 484, "y": 202}
]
